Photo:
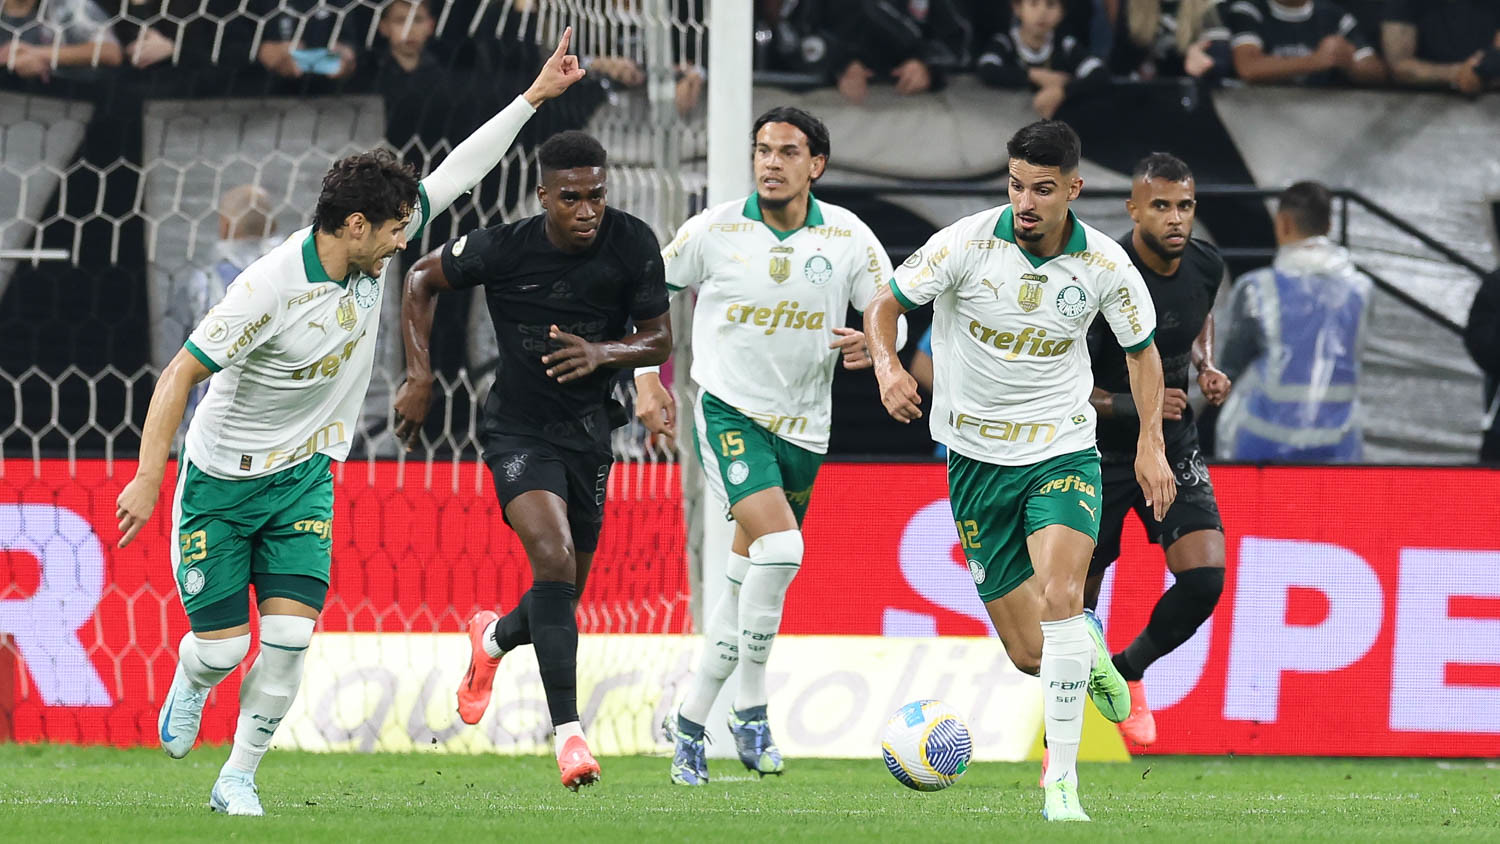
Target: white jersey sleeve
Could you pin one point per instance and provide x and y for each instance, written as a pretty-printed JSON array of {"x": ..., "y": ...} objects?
[
  {"x": 875, "y": 270},
  {"x": 240, "y": 323},
  {"x": 1126, "y": 305},
  {"x": 684, "y": 256},
  {"x": 929, "y": 271}
]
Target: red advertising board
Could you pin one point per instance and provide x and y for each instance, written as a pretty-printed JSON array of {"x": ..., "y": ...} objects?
[{"x": 1361, "y": 614}]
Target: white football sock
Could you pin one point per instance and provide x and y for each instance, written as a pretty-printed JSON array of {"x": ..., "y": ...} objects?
[
  {"x": 206, "y": 662},
  {"x": 491, "y": 647},
  {"x": 565, "y": 732},
  {"x": 1067, "y": 657},
  {"x": 269, "y": 688},
  {"x": 774, "y": 560},
  {"x": 721, "y": 644}
]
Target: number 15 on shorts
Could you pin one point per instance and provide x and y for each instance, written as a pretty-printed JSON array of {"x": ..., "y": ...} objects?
[{"x": 731, "y": 444}]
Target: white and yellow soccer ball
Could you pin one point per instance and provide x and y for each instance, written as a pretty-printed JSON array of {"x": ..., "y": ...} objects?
[{"x": 926, "y": 745}]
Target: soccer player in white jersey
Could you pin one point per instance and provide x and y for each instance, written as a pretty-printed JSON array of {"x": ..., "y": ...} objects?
[
  {"x": 775, "y": 274},
  {"x": 290, "y": 349},
  {"x": 1014, "y": 290}
]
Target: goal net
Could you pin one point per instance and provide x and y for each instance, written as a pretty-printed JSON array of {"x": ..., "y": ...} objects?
[{"x": 131, "y": 187}]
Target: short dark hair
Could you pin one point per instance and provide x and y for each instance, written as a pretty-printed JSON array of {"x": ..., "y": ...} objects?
[
  {"x": 376, "y": 184},
  {"x": 1047, "y": 143},
  {"x": 571, "y": 149},
  {"x": 1310, "y": 206},
  {"x": 1162, "y": 165},
  {"x": 391, "y": 4},
  {"x": 817, "y": 134}
]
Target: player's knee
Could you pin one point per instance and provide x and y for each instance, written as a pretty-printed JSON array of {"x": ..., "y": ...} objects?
[
  {"x": 286, "y": 631},
  {"x": 784, "y": 547},
  {"x": 1205, "y": 585},
  {"x": 1027, "y": 659},
  {"x": 1062, "y": 597},
  {"x": 554, "y": 559}
]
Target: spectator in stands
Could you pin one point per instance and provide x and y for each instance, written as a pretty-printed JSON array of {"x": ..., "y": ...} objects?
[
  {"x": 913, "y": 43},
  {"x": 245, "y": 233},
  {"x": 1443, "y": 44},
  {"x": 420, "y": 93},
  {"x": 245, "y": 227},
  {"x": 794, "y": 36},
  {"x": 1088, "y": 21},
  {"x": 1171, "y": 38},
  {"x": 66, "y": 39},
  {"x": 1482, "y": 339},
  {"x": 1295, "y": 336},
  {"x": 1036, "y": 55},
  {"x": 312, "y": 38},
  {"x": 1301, "y": 42},
  {"x": 191, "y": 33}
]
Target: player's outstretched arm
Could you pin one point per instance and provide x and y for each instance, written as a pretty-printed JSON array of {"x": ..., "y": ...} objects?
[
  {"x": 1151, "y": 469},
  {"x": 650, "y": 345},
  {"x": 898, "y": 390},
  {"x": 424, "y": 281},
  {"x": 168, "y": 403},
  {"x": 478, "y": 154}
]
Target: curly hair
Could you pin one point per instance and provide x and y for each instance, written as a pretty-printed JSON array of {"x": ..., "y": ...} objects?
[
  {"x": 570, "y": 150},
  {"x": 376, "y": 184}
]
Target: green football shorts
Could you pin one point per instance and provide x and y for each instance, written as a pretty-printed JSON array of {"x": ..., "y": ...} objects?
[
  {"x": 232, "y": 531},
  {"x": 741, "y": 457},
  {"x": 997, "y": 507}
]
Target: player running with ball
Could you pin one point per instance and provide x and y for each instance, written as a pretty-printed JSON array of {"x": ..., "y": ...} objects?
[
  {"x": 775, "y": 274},
  {"x": 291, "y": 348},
  {"x": 1014, "y": 290}
]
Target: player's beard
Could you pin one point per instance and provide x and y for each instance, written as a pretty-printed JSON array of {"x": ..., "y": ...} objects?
[
  {"x": 1161, "y": 249},
  {"x": 1033, "y": 236},
  {"x": 775, "y": 202}
]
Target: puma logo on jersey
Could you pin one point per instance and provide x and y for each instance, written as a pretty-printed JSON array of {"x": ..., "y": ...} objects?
[
  {"x": 312, "y": 323},
  {"x": 1092, "y": 514},
  {"x": 991, "y": 285}
]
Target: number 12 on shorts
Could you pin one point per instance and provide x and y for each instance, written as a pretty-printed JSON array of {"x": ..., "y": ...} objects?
[{"x": 968, "y": 534}]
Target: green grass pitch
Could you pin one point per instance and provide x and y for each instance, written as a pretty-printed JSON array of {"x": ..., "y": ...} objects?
[{"x": 95, "y": 794}]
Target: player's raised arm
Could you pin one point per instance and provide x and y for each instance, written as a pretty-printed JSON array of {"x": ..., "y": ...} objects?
[
  {"x": 424, "y": 281},
  {"x": 478, "y": 154}
]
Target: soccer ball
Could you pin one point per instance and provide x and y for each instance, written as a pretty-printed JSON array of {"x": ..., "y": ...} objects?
[{"x": 927, "y": 745}]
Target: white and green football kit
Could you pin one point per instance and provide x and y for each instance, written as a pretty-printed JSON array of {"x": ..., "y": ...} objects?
[
  {"x": 1011, "y": 378},
  {"x": 292, "y": 350},
  {"x": 768, "y": 302}
]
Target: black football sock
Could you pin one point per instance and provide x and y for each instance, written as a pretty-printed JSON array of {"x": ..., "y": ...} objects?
[
  {"x": 554, "y": 633},
  {"x": 1179, "y": 613},
  {"x": 514, "y": 628}
]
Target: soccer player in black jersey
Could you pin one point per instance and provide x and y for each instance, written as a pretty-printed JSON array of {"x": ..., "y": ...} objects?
[
  {"x": 1183, "y": 275},
  {"x": 563, "y": 289}
]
